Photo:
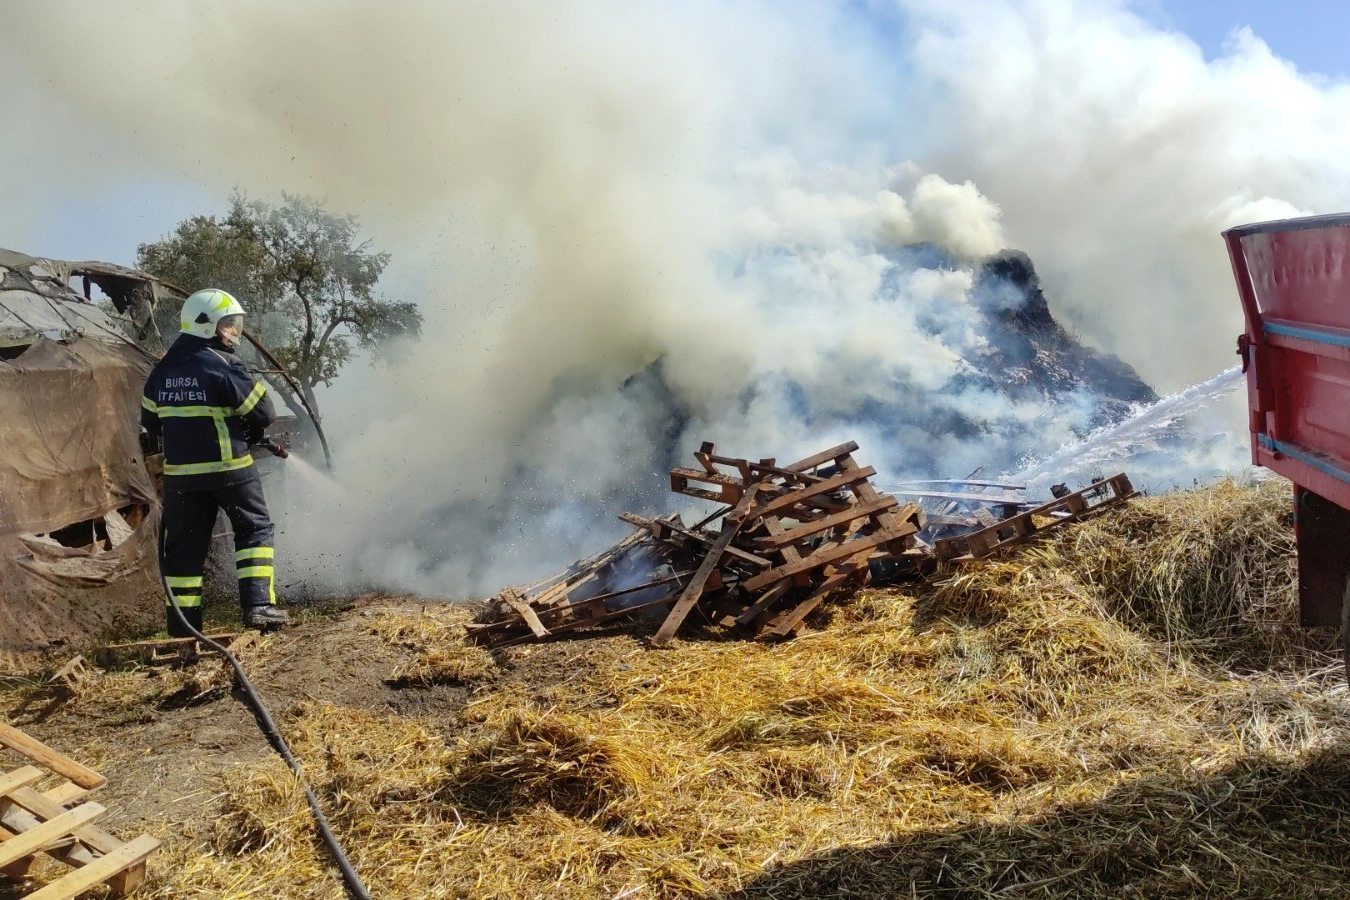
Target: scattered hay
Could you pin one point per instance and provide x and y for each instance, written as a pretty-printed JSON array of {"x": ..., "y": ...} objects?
[
  {"x": 816, "y": 773},
  {"x": 552, "y": 758},
  {"x": 444, "y": 665},
  {"x": 125, "y": 696},
  {"x": 441, "y": 653},
  {"x": 1019, "y": 730},
  {"x": 1212, "y": 569}
]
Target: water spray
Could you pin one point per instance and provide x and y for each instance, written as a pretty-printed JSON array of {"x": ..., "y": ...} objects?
[{"x": 1112, "y": 440}]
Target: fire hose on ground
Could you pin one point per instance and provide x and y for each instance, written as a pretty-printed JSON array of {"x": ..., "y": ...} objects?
[{"x": 269, "y": 727}]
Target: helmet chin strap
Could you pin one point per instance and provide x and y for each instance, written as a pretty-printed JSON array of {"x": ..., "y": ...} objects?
[{"x": 229, "y": 340}]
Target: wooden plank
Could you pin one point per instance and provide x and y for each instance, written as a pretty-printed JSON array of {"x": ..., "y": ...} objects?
[
  {"x": 77, "y": 882},
  {"x": 583, "y": 574},
  {"x": 713, "y": 477},
  {"x": 25, "y": 801},
  {"x": 40, "y": 753},
  {"x": 15, "y": 870},
  {"x": 762, "y": 470},
  {"x": 584, "y": 565},
  {"x": 957, "y": 521},
  {"x": 787, "y": 501},
  {"x": 75, "y": 674},
  {"x": 65, "y": 792},
  {"x": 829, "y": 554},
  {"x": 830, "y": 455},
  {"x": 161, "y": 651},
  {"x": 704, "y": 456},
  {"x": 729, "y": 489},
  {"x": 766, "y": 600},
  {"x": 657, "y": 528},
  {"x": 13, "y": 819},
  {"x": 525, "y": 612},
  {"x": 490, "y": 628},
  {"x": 789, "y": 553},
  {"x": 703, "y": 539},
  {"x": 792, "y": 535},
  {"x": 775, "y": 528},
  {"x": 730, "y": 527},
  {"x": 20, "y": 777},
  {"x": 727, "y": 497},
  {"x": 578, "y": 624},
  {"x": 867, "y": 493},
  {"x": 750, "y": 470},
  {"x": 792, "y": 620},
  {"x": 90, "y": 835},
  {"x": 34, "y": 839}
]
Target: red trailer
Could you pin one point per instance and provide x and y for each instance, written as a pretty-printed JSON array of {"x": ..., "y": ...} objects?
[{"x": 1294, "y": 280}]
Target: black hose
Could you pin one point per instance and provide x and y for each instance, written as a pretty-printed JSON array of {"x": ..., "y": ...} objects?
[{"x": 355, "y": 887}]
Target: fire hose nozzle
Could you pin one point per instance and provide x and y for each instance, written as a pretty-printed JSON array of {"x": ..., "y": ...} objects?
[{"x": 274, "y": 448}]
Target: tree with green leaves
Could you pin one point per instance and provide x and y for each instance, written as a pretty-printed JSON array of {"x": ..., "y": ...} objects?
[{"x": 305, "y": 277}]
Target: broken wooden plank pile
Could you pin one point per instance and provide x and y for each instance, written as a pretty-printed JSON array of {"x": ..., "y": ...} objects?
[
  {"x": 787, "y": 538},
  {"x": 955, "y": 506},
  {"x": 58, "y": 822},
  {"x": 1026, "y": 524},
  {"x": 973, "y": 519}
]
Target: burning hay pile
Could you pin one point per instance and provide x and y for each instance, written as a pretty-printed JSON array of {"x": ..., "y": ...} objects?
[
  {"x": 1017, "y": 730},
  {"x": 789, "y": 538}
]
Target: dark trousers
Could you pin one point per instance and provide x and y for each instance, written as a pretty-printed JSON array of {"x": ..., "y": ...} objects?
[{"x": 189, "y": 520}]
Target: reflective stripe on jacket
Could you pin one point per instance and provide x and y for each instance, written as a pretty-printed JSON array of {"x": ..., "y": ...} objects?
[{"x": 209, "y": 408}]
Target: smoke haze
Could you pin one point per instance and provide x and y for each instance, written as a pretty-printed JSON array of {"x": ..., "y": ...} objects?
[{"x": 633, "y": 226}]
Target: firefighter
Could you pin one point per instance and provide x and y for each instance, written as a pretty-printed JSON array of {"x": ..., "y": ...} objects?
[{"x": 209, "y": 410}]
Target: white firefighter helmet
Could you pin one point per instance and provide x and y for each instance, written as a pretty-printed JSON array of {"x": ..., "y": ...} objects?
[{"x": 205, "y": 308}]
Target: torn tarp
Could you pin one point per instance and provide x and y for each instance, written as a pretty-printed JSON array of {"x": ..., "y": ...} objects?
[{"x": 77, "y": 505}]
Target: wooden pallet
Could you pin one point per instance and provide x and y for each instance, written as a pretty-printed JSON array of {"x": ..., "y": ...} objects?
[
  {"x": 817, "y": 521},
  {"x": 1023, "y": 527},
  {"x": 789, "y": 536},
  {"x": 60, "y": 823},
  {"x": 171, "y": 651}
]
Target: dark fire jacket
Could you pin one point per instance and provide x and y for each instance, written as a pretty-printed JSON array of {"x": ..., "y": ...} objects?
[{"x": 209, "y": 409}]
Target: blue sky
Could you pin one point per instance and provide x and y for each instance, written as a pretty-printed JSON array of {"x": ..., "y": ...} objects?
[{"x": 1309, "y": 33}]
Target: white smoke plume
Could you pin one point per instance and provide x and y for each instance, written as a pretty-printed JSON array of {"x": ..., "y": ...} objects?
[
  {"x": 1118, "y": 153},
  {"x": 635, "y": 226}
]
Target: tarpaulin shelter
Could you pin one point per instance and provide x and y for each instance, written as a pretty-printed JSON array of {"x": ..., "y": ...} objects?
[{"x": 78, "y": 508}]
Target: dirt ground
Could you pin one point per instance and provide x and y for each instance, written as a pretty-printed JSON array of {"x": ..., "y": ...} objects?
[
  {"x": 162, "y": 742},
  {"x": 1005, "y": 733}
]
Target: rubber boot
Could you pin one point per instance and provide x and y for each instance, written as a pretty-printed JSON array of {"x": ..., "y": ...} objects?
[
  {"x": 265, "y": 617},
  {"x": 193, "y": 614}
]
